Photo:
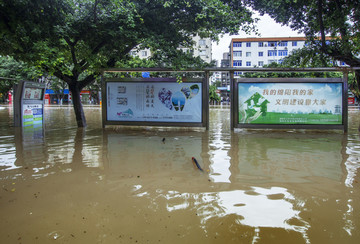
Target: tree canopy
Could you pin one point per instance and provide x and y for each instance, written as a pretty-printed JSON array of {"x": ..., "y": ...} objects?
[
  {"x": 75, "y": 39},
  {"x": 331, "y": 27},
  {"x": 11, "y": 71}
]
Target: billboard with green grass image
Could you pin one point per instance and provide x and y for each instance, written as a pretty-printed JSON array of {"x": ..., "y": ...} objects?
[{"x": 290, "y": 103}]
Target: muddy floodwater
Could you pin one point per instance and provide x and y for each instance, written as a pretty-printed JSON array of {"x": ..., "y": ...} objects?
[{"x": 130, "y": 185}]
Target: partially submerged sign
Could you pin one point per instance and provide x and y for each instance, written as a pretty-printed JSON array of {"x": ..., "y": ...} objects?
[
  {"x": 29, "y": 104},
  {"x": 155, "y": 102},
  {"x": 290, "y": 103}
]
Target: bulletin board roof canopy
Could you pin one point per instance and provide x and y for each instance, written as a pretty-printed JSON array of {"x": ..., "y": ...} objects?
[{"x": 243, "y": 69}]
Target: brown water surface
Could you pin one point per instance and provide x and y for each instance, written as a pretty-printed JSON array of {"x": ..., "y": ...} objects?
[{"x": 125, "y": 185}]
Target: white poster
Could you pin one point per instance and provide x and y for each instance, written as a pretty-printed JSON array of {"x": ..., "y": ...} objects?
[
  {"x": 154, "y": 102},
  {"x": 32, "y": 114}
]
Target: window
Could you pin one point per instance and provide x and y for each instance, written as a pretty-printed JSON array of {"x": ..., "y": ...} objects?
[
  {"x": 271, "y": 52},
  {"x": 283, "y": 52},
  {"x": 294, "y": 43},
  {"x": 237, "y": 63},
  {"x": 236, "y": 44},
  {"x": 272, "y": 44},
  {"x": 237, "y": 73},
  {"x": 283, "y": 44},
  {"x": 202, "y": 42},
  {"x": 143, "y": 53},
  {"x": 248, "y": 54},
  {"x": 261, "y": 63},
  {"x": 133, "y": 53},
  {"x": 202, "y": 52},
  {"x": 248, "y": 44},
  {"x": 261, "y": 54},
  {"x": 248, "y": 63},
  {"x": 261, "y": 44},
  {"x": 280, "y": 61},
  {"x": 237, "y": 53}
]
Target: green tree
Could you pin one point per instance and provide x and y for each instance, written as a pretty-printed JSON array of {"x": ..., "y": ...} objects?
[
  {"x": 11, "y": 71},
  {"x": 58, "y": 86},
  {"x": 75, "y": 39},
  {"x": 331, "y": 27},
  {"x": 213, "y": 96}
]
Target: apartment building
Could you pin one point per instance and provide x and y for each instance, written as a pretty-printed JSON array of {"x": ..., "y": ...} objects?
[
  {"x": 257, "y": 52},
  {"x": 225, "y": 76},
  {"x": 143, "y": 53},
  {"x": 202, "y": 48}
]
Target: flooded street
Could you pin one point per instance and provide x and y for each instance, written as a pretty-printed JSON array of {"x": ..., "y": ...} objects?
[{"x": 127, "y": 185}]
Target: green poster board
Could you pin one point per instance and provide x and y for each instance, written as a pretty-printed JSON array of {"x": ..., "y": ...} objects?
[{"x": 307, "y": 103}]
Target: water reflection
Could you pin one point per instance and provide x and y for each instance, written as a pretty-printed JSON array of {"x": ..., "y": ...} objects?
[
  {"x": 125, "y": 185},
  {"x": 258, "y": 207},
  {"x": 287, "y": 157},
  {"x": 219, "y": 145}
]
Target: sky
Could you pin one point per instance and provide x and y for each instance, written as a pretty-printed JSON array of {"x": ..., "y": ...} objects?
[{"x": 267, "y": 27}]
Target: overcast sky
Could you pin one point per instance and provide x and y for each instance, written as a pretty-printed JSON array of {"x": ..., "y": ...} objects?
[{"x": 267, "y": 28}]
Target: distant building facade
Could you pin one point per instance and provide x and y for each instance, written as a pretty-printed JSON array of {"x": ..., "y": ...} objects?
[
  {"x": 202, "y": 48},
  {"x": 143, "y": 53},
  {"x": 225, "y": 63},
  {"x": 257, "y": 52}
]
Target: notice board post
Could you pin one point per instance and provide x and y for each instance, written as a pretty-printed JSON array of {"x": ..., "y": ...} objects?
[
  {"x": 29, "y": 104},
  {"x": 290, "y": 103},
  {"x": 155, "y": 102},
  {"x": 232, "y": 97}
]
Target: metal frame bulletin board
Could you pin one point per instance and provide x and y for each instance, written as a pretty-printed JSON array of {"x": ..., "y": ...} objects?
[
  {"x": 29, "y": 104},
  {"x": 155, "y": 102},
  {"x": 290, "y": 103}
]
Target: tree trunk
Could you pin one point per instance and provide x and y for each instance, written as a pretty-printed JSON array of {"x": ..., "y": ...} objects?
[
  {"x": 357, "y": 87},
  {"x": 78, "y": 108},
  {"x": 357, "y": 82}
]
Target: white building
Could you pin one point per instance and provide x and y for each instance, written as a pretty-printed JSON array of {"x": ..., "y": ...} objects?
[
  {"x": 257, "y": 52},
  {"x": 202, "y": 48},
  {"x": 143, "y": 53},
  {"x": 215, "y": 77}
]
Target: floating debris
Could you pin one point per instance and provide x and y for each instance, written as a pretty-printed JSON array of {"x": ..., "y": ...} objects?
[{"x": 197, "y": 164}]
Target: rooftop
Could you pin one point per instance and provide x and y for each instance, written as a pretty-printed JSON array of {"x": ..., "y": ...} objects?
[{"x": 265, "y": 39}]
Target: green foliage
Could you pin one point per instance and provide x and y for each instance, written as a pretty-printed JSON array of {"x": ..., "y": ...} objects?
[
  {"x": 331, "y": 27},
  {"x": 75, "y": 39},
  {"x": 58, "y": 86},
  {"x": 11, "y": 71},
  {"x": 213, "y": 96},
  {"x": 68, "y": 37}
]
